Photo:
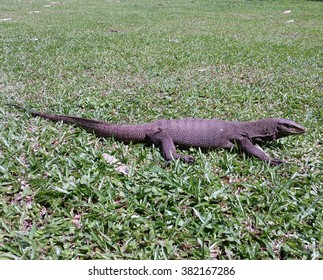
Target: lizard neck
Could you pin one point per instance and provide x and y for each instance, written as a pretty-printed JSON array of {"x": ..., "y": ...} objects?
[{"x": 261, "y": 131}]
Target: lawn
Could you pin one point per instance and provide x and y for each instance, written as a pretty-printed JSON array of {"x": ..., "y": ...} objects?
[{"x": 141, "y": 60}]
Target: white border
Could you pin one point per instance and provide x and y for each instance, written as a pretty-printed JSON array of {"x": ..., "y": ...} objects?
[{"x": 80, "y": 270}]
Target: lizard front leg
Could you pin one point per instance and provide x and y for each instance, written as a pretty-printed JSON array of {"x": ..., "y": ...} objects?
[
  {"x": 247, "y": 146},
  {"x": 165, "y": 143}
]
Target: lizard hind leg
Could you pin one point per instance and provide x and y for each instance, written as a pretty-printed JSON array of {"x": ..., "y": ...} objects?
[{"x": 166, "y": 144}]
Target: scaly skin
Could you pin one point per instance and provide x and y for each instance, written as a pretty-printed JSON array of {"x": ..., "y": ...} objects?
[{"x": 203, "y": 133}]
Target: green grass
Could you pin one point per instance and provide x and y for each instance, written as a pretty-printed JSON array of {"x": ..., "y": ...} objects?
[{"x": 138, "y": 61}]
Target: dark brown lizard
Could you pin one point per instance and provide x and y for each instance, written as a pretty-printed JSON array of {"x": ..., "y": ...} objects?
[{"x": 190, "y": 132}]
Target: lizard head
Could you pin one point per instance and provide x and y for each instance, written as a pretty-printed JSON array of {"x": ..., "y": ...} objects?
[{"x": 287, "y": 127}]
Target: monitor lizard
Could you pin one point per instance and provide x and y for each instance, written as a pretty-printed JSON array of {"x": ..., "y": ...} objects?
[{"x": 190, "y": 132}]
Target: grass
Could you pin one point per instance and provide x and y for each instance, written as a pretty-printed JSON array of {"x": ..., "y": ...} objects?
[{"x": 138, "y": 61}]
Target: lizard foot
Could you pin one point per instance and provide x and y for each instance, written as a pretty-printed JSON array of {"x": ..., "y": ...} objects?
[
  {"x": 188, "y": 159},
  {"x": 275, "y": 161}
]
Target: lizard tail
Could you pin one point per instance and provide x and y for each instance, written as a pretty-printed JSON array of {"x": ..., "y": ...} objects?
[
  {"x": 85, "y": 123},
  {"x": 124, "y": 133},
  {"x": 65, "y": 119},
  {"x": 19, "y": 107}
]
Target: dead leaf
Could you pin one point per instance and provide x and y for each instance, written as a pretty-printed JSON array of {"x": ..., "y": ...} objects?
[
  {"x": 118, "y": 166},
  {"x": 5, "y": 19},
  {"x": 77, "y": 220}
]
